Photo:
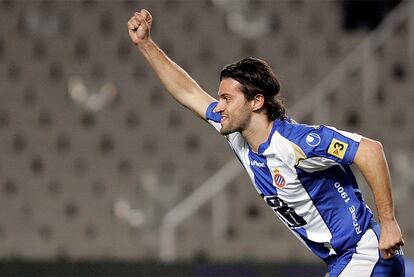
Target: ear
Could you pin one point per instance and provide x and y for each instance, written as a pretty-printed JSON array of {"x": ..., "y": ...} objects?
[{"x": 258, "y": 102}]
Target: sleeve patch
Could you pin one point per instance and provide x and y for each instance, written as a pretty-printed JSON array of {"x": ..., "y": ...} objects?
[{"x": 337, "y": 148}]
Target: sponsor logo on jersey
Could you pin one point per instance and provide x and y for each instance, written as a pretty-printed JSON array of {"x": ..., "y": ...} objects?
[
  {"x": 313, "y": 139},
  {"x": 279, "y": 180},
  {"x": 256, "y": 163},
  {"x": 337, "y": 148}
]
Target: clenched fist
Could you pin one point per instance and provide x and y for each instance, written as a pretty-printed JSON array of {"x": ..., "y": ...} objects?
[{"x": 139, "y": 26}]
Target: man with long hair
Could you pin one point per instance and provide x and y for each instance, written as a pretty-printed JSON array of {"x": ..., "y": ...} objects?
[{"x": 302, "y": 172}]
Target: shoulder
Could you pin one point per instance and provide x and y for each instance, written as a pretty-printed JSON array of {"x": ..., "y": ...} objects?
[
  {"x": 320, "y": 140},
  {"x": 298, "y": 133}
]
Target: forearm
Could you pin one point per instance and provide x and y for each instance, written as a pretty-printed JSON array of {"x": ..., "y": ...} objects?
[
  {"x": 178, "y": 83},
  {"x": 373, "y": 165},
  {"x": 371, "y": 161}
]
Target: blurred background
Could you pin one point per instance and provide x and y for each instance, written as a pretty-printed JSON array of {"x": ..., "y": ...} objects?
[{"x": 102, "y": 173}]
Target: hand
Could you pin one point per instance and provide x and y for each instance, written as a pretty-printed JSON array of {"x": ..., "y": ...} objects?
[
  {"x": 139, "y": 26},
  {"x": 391, "y": 239}
]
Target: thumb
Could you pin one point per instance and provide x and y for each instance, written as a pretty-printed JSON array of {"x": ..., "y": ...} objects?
[
  {"x": 143, "y": 25},
  {"x": 147, "y": 16}
]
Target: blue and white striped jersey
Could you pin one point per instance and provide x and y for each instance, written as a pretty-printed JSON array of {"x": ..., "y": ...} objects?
[{"x": 303, "y": 173}]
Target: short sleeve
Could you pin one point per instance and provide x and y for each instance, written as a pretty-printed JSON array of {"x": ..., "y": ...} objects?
[
  {"x": 212, "y": 117},
  {"x": 324, "y": 142}
]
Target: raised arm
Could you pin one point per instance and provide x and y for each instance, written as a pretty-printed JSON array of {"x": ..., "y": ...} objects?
[
  {"x": 371, "y": 161},
  {"x": 178, "y": 83}
]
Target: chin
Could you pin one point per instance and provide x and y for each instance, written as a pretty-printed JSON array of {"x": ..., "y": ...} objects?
[{"x": 225, "y": 132}]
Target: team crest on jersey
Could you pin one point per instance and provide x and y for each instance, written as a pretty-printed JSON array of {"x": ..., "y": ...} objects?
[
  {"x": 337, "y": 148},
  {"x": 279, "y": 180}
]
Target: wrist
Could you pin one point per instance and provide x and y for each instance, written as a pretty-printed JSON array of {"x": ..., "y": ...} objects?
[
  {"x": 144, "y": 44},
  {"x": 387, "y": 219}
]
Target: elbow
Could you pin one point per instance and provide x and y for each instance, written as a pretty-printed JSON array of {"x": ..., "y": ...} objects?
[
  {"x": 376, "y": 147},
  {"x": 371, "y": 145},
  {"x": 375, "y": 150},
  {"x": 369, "y": 150}
]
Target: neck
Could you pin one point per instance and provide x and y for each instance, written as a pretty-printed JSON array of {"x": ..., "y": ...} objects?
[{"x": 257, "y": 132}]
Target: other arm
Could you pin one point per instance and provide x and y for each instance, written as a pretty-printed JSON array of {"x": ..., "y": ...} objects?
[
  {"x": 371, "y": 161},
  {"x": 178, "y": 83}
]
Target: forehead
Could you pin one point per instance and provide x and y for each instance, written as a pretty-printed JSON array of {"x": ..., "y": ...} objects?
[{"x": 229, "y": 86}]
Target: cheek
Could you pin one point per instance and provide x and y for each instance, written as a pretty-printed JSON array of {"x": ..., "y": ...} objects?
[
  {"x": 240, "y": 113},
  {"x": 243, "y": 109}
]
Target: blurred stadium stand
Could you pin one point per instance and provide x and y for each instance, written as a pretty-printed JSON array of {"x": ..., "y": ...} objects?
[{"x": 94, "y": 153}]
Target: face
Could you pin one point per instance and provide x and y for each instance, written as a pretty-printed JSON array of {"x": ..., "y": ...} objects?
[{"x": 233, "y": 106}]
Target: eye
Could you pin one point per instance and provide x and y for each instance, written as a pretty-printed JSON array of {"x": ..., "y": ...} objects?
[{"x": 226, "y": 98}]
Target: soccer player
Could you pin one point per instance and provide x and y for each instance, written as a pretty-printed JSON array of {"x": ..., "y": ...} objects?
[{"x": 302, "y": 172}]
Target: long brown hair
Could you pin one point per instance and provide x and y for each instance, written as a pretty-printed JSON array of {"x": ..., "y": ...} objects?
[{"x": 257, "y": 77}]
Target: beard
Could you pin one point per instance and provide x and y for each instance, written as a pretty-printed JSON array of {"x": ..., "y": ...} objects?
[
  {"x": 226, "y": 132},
  {"x": 235, "y": 122},
  {"x": 229, "y": 129}
]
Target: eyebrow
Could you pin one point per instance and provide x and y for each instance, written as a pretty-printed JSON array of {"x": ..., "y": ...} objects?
[{"x": 223, "y": 94}]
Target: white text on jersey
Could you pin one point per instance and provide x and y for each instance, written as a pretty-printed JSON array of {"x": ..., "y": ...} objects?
[{"x": 256, "y": 163}]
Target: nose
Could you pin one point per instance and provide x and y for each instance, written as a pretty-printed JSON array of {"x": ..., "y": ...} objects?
[{"x": 220, "y": 107}]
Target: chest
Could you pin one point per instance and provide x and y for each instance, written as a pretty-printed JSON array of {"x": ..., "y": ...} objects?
[{"x": 272, "y": 172}]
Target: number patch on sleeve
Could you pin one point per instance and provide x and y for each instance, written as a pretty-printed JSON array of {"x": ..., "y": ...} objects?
[{"x": 337, "y": 148}]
